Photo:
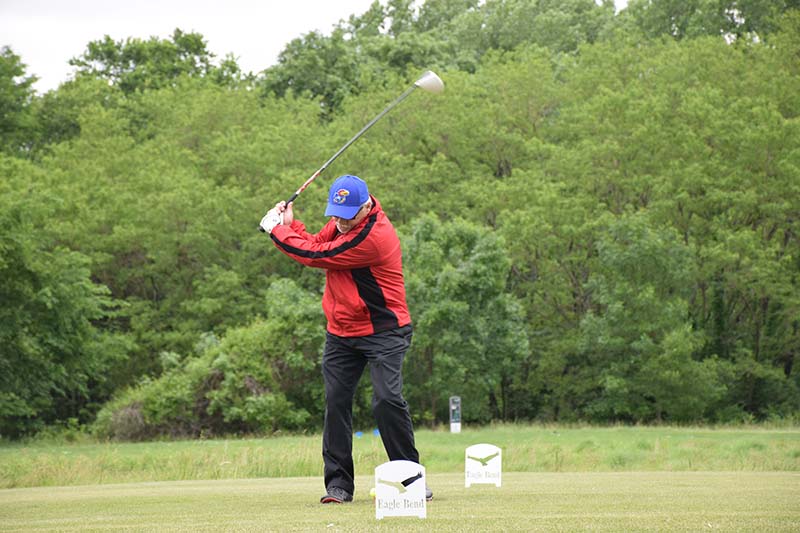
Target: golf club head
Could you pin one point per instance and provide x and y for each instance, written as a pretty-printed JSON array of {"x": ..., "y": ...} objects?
[{"x": 430, "y": 82}]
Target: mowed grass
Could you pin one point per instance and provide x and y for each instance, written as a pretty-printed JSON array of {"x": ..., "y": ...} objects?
[
  {"x": 525, "y": 449},
  {"x": 554, "y": 479},
  {"x": 527, "y": 501}
]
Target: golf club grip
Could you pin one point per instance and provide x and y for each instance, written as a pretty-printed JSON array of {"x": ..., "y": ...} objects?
[{"x": 290, "y": 200}]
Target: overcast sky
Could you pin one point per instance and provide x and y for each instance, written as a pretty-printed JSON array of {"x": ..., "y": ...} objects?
[{"x": 46, "y": 34}]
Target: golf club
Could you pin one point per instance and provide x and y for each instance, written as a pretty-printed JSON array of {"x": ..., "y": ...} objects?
[{"x": 429, "y": 82}]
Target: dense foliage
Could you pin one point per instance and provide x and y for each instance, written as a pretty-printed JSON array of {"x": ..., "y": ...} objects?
[{"x": 600, "y": 219}]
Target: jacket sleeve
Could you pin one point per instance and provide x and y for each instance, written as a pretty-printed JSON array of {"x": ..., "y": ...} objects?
[
  {"x": 328, "y": 248},
  {"x": 300, "y": 228}
]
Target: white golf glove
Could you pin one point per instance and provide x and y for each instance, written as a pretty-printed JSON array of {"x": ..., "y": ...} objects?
[{"x": 271, "y": 219}]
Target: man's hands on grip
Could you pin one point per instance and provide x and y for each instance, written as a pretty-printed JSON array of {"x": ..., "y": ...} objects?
[{"x": 278, "y": 215}]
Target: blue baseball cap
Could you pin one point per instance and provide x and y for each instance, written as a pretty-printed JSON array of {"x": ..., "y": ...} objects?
[{"x": 347, "y": 195}]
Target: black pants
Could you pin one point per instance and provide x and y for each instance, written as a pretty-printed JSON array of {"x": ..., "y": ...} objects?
[{"x": 343, "y": 362}]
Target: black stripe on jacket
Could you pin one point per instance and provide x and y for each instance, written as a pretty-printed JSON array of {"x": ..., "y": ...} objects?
[
  {"x": 380, "y": 315},
  {"x": 358, "y": 239}
]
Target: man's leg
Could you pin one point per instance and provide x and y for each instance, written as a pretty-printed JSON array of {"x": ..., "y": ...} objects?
[
  {"x": 341, "y": 369},
  {"x": 385, "y": 352}
]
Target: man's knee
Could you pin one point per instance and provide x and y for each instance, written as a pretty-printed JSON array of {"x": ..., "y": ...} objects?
[{"x": 387, "y": 402}]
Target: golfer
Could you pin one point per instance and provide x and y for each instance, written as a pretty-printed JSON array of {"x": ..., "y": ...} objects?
[{"x": 368, "y": 322}]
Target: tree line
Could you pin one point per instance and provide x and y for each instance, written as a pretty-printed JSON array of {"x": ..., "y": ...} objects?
[{"x": 599, "y": 219}]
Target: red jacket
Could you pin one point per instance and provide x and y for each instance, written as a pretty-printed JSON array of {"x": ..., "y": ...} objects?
[{"x": 364, "y": 289}]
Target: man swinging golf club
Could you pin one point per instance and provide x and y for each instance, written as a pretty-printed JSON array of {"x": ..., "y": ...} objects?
[
  {"x": 367, "y": 321},
  {"x": 365, "y": 306}
]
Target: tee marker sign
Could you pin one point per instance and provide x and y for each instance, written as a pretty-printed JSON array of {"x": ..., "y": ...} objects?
[
  {"x": 400, "y": 490},
  {"x": 483, "y": 464}
]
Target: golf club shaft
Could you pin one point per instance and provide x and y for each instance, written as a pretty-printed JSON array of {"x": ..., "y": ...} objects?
[
  {"x": 429, "y": 82},
  {"x": 348, "y": 143}
]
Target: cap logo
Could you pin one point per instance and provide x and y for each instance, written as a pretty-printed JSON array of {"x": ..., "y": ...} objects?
[{"x": 341, "y": 196}]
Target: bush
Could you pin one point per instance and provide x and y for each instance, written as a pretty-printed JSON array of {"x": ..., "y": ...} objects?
[{"x": 258, "y": 378}]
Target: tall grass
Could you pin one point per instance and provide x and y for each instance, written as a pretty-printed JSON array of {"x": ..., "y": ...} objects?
[{"x": 525, "y": 449}]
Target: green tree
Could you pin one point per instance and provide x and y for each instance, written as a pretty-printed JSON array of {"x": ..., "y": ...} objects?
[
  {"x": 16, "y": 95},
  {"x": 568, "y": 148},
  {"x": 53, "y": 358},
  {"x": 686, "y": 19},
  {"x": 687, "y": 132},
  {"x": 507, "y": 24},
  {"x": 261, "y": 377},
  {"x": 138, "y": 65},
  {"x": 638, "y": 342},
  {"x": 552, "y": 232},
  {"x": 321, "y": 67},
  {"x": 435, "y": 14},
  {"x": 469, "y": 335},
  {"x": 58, "y": 113},
  {"x": 399, "y": 40}
]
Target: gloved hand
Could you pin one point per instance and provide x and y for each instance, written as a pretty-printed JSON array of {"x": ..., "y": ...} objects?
[{"x": 271, "y": 219}]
